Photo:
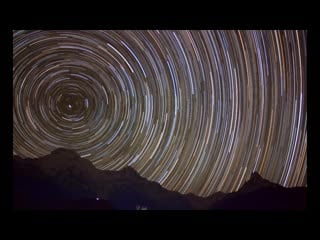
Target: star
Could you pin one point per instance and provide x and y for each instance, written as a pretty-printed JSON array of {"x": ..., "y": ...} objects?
[{"x": 195, "y": 110}]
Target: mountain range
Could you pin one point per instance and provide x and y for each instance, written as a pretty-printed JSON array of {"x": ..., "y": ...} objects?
[{"x": 63, "y": 180}]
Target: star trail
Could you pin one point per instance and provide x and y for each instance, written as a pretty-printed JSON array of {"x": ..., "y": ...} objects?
[{"x": 196, "y": 111}]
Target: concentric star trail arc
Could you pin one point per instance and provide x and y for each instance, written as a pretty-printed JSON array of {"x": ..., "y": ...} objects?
[{"x": 196, "y": 111}]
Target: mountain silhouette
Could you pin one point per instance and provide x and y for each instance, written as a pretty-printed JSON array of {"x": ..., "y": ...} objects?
[
  {"x": 64, "y": 180},
  {"x": 260, "y": 194}
]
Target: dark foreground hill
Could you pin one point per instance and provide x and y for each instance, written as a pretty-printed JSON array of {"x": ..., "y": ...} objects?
[
  {"x": 63, "y": 180},
  {"x": 260, "y": 194}
]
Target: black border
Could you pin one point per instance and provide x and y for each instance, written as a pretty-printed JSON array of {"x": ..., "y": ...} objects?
[{"x": 157, "y": 217}]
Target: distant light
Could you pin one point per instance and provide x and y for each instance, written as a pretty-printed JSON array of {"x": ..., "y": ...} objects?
[{"x": 97, "y": 199}]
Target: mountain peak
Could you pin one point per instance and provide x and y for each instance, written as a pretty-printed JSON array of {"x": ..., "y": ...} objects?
[
  {"x": 256, "y": 177},
  {"x": 61, "y": 159},
  {"x": 130, "y": 171},
  {"x": 256, "y": 182},
  {"x": 65, "y": 152}
]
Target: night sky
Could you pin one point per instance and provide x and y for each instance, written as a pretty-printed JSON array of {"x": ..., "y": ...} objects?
[{"x": 196, "y": 111}]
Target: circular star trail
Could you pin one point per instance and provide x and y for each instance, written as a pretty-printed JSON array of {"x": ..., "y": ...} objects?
[{"x": 196, "y": 111}]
